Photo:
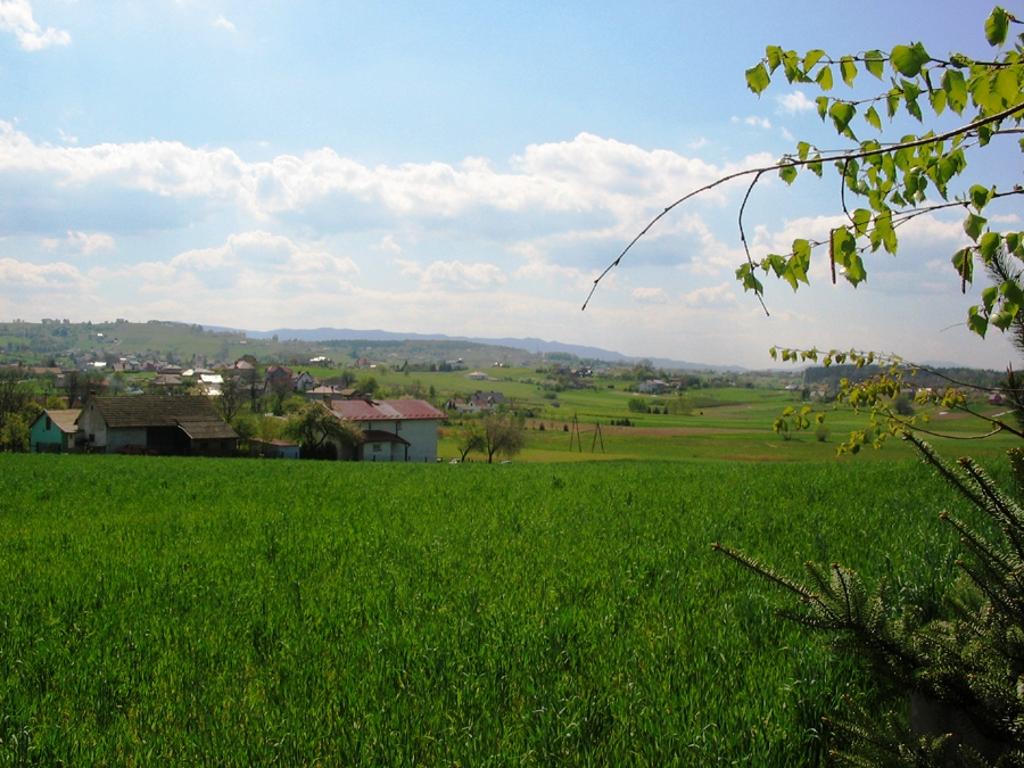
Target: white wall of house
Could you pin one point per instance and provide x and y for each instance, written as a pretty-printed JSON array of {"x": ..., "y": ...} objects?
[
  {"x": 374, "y": 451},
  {"x": 91, "y": 424},
  {"x": 422, "y": 436},
  {"x": 420, "y": 433}
]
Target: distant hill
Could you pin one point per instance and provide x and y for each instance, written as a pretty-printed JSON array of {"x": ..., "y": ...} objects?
[{"x": 530, "y": 344}]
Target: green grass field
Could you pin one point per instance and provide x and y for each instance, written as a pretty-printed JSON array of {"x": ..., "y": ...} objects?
[{"x": 190, "y": 611}]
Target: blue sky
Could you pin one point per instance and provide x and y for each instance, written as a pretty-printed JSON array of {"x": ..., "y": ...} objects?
[{"x": 463, "y": 168}]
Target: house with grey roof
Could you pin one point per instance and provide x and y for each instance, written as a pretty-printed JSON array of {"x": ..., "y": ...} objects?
[{"x": 156, "y": 424}]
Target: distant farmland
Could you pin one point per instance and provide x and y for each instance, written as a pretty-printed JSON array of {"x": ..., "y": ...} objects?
[{"x": 236, "y": 612}]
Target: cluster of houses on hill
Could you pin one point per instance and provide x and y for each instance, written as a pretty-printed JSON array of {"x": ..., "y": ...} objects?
[{"x": 392, "y": 430}]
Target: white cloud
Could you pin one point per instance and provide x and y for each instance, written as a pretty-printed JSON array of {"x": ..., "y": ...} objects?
[
  {"x": 753, "y": 120},
  {"x": 795, "y": 102},
  {"x": 23, "y": 274},
  {"x": 263, "y": 251},
  {"x": 475, "y": 276},
  {"x": 16, "y": 17},
  {"x": 221, "y": 22},
  {"x": 711, "y": 296},
  {"x": 649, "y": 295},
  {"x": 388, "y": 244},
  {"x": 588, "y": 181},
  {"x": 85, "y": 243}
]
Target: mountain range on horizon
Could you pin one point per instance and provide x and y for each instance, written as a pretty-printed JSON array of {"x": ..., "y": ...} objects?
[{"x": 528, "y": 344}]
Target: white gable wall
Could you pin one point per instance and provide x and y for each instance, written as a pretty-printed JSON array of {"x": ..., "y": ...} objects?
[{"x": 420, "y": 433}]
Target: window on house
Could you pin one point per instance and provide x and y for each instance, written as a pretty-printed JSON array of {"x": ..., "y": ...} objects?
[
  {"x": 377, "y": 447},
  {"x": 49, "y": 424}
]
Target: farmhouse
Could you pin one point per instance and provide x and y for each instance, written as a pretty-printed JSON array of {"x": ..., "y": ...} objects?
[
  {"x": 53, "y": 431},
  {"x": 393, "y": 430},
  {"x": 303, "y": 382},
  {"x": 163, "y": 424}
]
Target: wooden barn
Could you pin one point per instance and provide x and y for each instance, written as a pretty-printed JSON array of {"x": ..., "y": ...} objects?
[{"x": 155, "y": 424}]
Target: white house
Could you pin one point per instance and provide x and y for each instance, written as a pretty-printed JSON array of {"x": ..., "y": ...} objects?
[{"x": 393, "y": 430}]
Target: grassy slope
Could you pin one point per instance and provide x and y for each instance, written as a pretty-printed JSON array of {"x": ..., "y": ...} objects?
[{"x": 244, "y": 612}]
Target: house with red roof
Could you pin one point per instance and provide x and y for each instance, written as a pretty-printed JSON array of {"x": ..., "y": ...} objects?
[{"x": 393, "y": 430}]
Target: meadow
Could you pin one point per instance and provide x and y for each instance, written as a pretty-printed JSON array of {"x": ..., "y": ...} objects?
[{"x": 240, "y": 612}]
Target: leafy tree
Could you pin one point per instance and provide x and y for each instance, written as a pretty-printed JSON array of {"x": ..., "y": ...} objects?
[
  {"x": 17, "y": 410},
  {"x": 896, "y": 180},
  {"x": 503, "y": 434},
  {"x": 966, "y": 671},
  {"x": 470, "y": 437},
  {"x": 14, "y": 434},
  {"x": 246, "y": 425},
  {"x": 233, "y": 395},
  {"x": 637, "y": 405},
  {"x": 315, "y": 427},
  {"x": 367, "y": 385}
]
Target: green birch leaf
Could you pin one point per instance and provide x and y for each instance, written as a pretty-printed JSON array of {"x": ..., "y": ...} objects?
[
  {"x": 874, "y": 62},
  {"x": 791, "y": 66},
  {"x": 996, "y": 26},
  {"x": 815, "y": 167},
  {"x": 989, "y": 244},
  {"x": 773, "y": 54},
  {"x": 854, "y": 271},
  {"x": 848, "y": 69},
  {"x": 841, "y": 114},
  {"x": 757, "y": 78},
  {"x": 872, "y": 118},
  {"x": 843, "y": 246},
  {"x": 892, "y": 101},
  {"x": 976, "y": 322},
  {"x": 822, "y": 103},
  {"x": 824, "y": 78},
  {"x": 914, "y": 109},
  {"x": 861, "y": 219},
  {"x": 908, "y": 59},
  {"x": 787, "y": 173},
  {"x": 963, "y": 262},
  {"x": 988, "y": 297},
  {"x": 1005, "y": 318},
  {"x": 812, "y": 57},
  {"x": 980, "y": 196},
  {"x": 973, "y": 225},
  {"x": 938, "y": 100},
  {"x": 884, "y": 232},
  {"x": 802, "y": 251},
  {"x": 982, "y": 89},
  {"x": 1012, "y": 293},
  {"x": 1006, "y": 86},
  {"x": 955, "y": 88},
  {"x": 802, "y": 149}
]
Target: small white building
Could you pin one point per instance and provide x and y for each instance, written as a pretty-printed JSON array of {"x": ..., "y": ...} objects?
[{"x": 393, "y": 430}]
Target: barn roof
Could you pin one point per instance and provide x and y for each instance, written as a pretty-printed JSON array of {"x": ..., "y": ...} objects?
[
  {"x": 385, "y": 410},
  {"x": 195, "y": 415},
  {"x": 207, "y": 430}
]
